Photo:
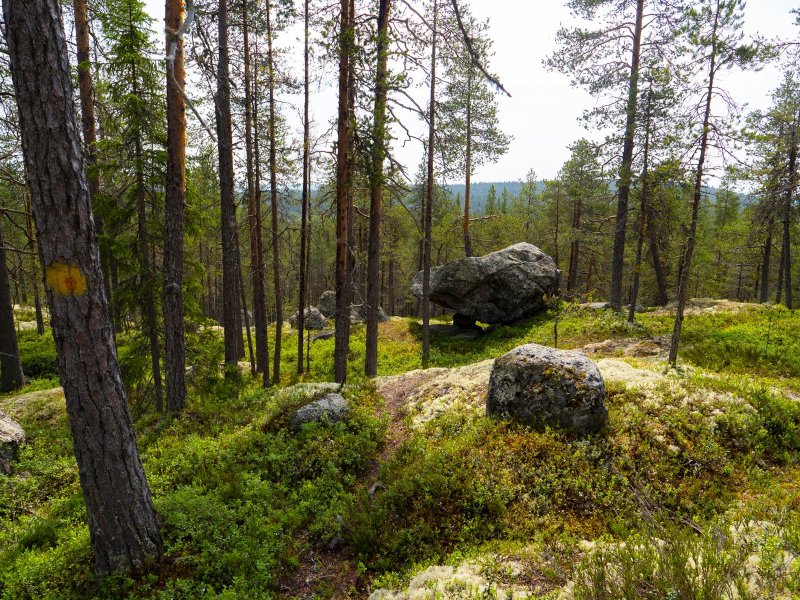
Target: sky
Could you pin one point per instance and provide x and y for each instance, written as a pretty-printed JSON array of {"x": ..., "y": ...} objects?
[{"x": 542, "y": 112}]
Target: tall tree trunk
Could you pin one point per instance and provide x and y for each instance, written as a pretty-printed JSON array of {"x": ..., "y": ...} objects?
[
  {"x": 304, "y": 237},
  {"x": 787, "y": 215},
  {"x": 147, "y": 282},
  {"x": 655, "y": 257},
  {"x": 765, "y": 267},
  {"x": 145, "y": 265},
  {"x": 35, "y": 268},
  {"x": 574, "y": 247},
  {"x": 273, "y": 185},
  {"x": 637, "y": 269},
  {"x": 245, "y": 314},
  {"x": 468, "y": 169},
  {"x": 625, "y": 174},
  {"x": 174, "y": 200},
  {"x": 231, "y": 312},
  {"x": 122, "y": 523},
  {"x": 343, "y": 197},
  {"x": 89, "y": 130},
  {"x": 555, "y": 228},
  {"x": 10, "y": 366},
  {"x": 254, "y": 209},
  {"x": 426, "y": 248},
  {"x": 376, "y": 190},
  {"x": 260, "y": 275},
  {"x": 686, "y": 263}
]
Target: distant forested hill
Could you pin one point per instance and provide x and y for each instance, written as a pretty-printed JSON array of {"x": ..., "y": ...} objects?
[{"x": 480, "y": 191}]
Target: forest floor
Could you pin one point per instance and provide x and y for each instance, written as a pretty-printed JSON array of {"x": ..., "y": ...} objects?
[{"x": 692, "y": 492}]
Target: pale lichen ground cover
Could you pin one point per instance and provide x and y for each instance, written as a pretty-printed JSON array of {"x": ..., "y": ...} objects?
[{"x": 763, "y": 566}]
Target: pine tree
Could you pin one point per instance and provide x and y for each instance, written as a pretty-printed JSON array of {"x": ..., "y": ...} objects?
[
  {"x": 122, "y": 523},
  {"x": 133, "y": 148}
]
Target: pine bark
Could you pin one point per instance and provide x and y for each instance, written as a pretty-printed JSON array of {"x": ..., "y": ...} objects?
[
  {"x": 174, "y": 204},
  {"x": 146, "y": 273},
  {"x": 260, "y": 275},
  {"x": 273, "y": 190},
  {"x": 763, "y": 292},
  {"x": 468, "y": 168},
  {"x": 10, "y": 366},
  {"x": 574, "y": 247},
  {"x": 303, "y": 286},
  {"x": 88, "y": 126},
  {"x": 428, "y": 220},
  {"x": 254, "y": 210},
  {"x": 122, "y": 523},
  {"x": 787, "y": 216},
  {"x": 231, "y": 312},
  {"x": 618, "y": 255},
  {"x": 376, "y": 190},
  {"x": 344, "y": 289},
  {"x": 655, "y": 257},
  {"x": 637, "y": 268}
]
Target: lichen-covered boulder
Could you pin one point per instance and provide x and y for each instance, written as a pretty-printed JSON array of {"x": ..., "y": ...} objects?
[
  {"x": 327, "y": 304},
  {"x": 331, "y": 407},
  {"x": 501, "y": 287},
  {"x": 314, "y": 319},
  {"x": 543, "y": 387},
  {"x": 12, "y": 436}
]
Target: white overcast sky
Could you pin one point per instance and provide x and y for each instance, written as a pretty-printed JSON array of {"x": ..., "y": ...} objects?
[{"x": 542, "y": 112}]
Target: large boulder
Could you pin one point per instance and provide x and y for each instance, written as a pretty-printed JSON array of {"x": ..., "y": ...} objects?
[
  {"x": 327, "y": 304},
  {"x": 314, "y": 319},
  {"x": 331, "y": 407},
  {"x": 501, "y": 287},
  {"x": 541, "y": 387},
  {"x": 12, "y": 436}
]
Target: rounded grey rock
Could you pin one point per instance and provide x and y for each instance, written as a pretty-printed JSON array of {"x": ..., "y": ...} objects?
[
  {"x": 543, "y": 387},
  {"x": 331, "y": 407},
  {"x": 327, "y": 304},
  {"x": 12, "y": 436},
  {"x": 314, "y": 319}
]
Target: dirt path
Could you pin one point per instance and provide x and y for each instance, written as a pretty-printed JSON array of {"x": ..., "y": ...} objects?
[{"x": 330, "y": 572}]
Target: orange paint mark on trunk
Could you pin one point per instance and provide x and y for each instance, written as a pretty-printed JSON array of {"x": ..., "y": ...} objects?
[{"x": 65, "y": 280}]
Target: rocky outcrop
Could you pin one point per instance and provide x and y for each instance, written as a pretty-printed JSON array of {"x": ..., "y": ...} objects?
[
  {"x": 501, "y": 287},
  {"x": 331, "y": 407},
  {"x": 314, "y": 319},
  {"x": 543, "y": 387}
]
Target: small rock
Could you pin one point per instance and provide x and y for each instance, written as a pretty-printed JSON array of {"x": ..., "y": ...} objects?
[
  {"x": 644, "y": 348},
  {"x": 325, "y": 335},
  {"x": 313, "y": 319},
  {"x": 639, "y": 308},
  {"x": 597, "y": 305},
  {"x": 335, "y": 544},
  {"x": 541, "y": 386},
  {"x": 358, "y": 312},
  {"x": 327, "y": 304},
  {"x": 331, "y": 407},
  {"x": 12, "y": 436}
]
